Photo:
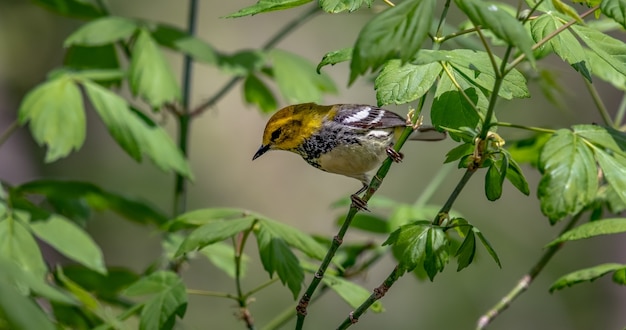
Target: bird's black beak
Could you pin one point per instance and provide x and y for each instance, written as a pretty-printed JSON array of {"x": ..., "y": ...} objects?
[{"x": 261, "y": 151}]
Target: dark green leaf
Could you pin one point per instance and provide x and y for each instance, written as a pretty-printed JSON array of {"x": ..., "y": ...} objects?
[
  {"x": 459, "y": 151},
  {"x": 397, "y": 32},
  {"x": 527, "y": 150},
  {"x": 99, "y": 57},
  {"x": 409, "y": 243},
  {"x": 584, "y": 275},
  {"x": 20, "y": 312},
  {"x": 350, "y": 292},
  {"x": 619, "y": 276},
  {"x": 618, "y": 136},
  {"x": 71, "y": 8},
  {"x": 221, "y": 255},
  {"x": 22, "y": 279},
  {"x": 71, "y": 241},
  {"x": 177, "y": 39},
  {"x": 334, "y": 57},
  {"x": 603, "y": 70},
  {"x": 338, "y": 6},
  {"x": 436, "y": 252},
  {"x": 612, "y": 50},
  {"x": 256, "y": 92},
  {"x": 278, "y": 258},
  {"x": 400, "y": 83},
  {"x": 569, "y": 181},
  {"x": 493, "y": 181},
  {"x": 592, "y": 229},
  {"x": 18, "y": 245},
  {"x": 515, "y": 176},
  {"x": 505, "y": 26},
  {"x": 150, "y": 75},
  {"x": 451, "y": 109},
  {"x": 368, "y": 222},
  {"x": 293, "y": 238},
  {"x": 466, "y": 251},
  {"x": 487, "y": 246},
  {"x": 213, "y": 232},
  {"x": 133, "y": 134},
  {"x": 243, "y": 63},
  {"x": 615, "y": 9},
  {"x": 297, "y": 79},
  {"x": 56, "y": 115},
  {"x": 168, "y": 301},
  {"x": 263, "y": 6},
  {"x": 106, "y": 30},
  {"x": 105, "y": 287},
  {"x": 88, "y": 301}
]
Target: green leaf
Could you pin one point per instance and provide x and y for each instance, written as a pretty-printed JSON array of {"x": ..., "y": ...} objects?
[
  {"x": 256, "y": 92},
  {"x": 466, "y": 251},
  {"x": 494, "y": 178},
  {"x": 133, "y": 134},
  {"x": 168, "y": 301},
  {"x": 487, "y": 245},
  {"x": 71, "y": 8},
  {"x": 350, "y": 292},
  {"x": 514, "y": 174},
  {"x": 564, "y": 44},
  {"x": 367, "y": 222},
  {"x": 527, "y": 150},
  {"x": 569, "y": 182},
  {"x": 106, "y": 287},
  {"x": 56, "y": 115},
  {"x": 436, "y": 252},
  {"x": 221, "y": 255},
  {"x": 401, "y": 29},
  {"x": 20, "y": 312},
  {"x": 592, "y": 229},
  {"x": 18, "y": 245},
  {"x": 619, "y": 276},
  {"x": 565, "y": 9},
  {"x": 243, "y": 63},
  {"x": 614, "y": 169},
  {"x": 293, "y": 237},
  {"x": 451, "y": 109},
  {"x": 177, "y": 39},
  {"x": 338, "y": 6},
  {"x": 106, "y": 30},
  {"x": 97, "y": 57},
  {"x": 612, "y": 50},
  {"x": 615, "y": 9},
  {"x": 22, "y": 279},
  {"x": 94, "y": 197},
  {"x": 603, "y": 70},
  {"x": 150, "y": 75},
  {"x": 263, "y": 6},
  {"x": 278, "y": 258},
  {"x": 297, "y": 79},
  {"x": 458, "y": 152},
  {"x": 213, "y": 232},
  {"x": 196, "y": 218},
  {"x": 71, "y": 241},
  {"x": 584, "y": 275},
  {"x": 334, "y": 57},
  {"x": 409, "y": 243},
  {"x": 503, "y": 25},
  {"x": 400, "y": 83}
]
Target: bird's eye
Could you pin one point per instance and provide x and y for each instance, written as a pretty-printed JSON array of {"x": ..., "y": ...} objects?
[{"x": 276, "y": 134}]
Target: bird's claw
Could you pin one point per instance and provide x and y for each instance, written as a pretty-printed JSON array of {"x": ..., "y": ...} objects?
[
  {"x": 358, "y": 203},
  {"x": 394, "y": 155}
]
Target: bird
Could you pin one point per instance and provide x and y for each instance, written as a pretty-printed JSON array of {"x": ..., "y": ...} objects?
[{"x": 345, "y": 139}]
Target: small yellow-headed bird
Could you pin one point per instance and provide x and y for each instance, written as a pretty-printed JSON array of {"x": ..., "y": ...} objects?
[{"x": 346, "y": 139}]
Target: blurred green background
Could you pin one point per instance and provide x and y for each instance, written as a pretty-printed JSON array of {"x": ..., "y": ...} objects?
[{"x": 282, "y": 186}]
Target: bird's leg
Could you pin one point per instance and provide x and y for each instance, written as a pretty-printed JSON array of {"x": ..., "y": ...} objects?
[
  {"x": 357, "y": 201},
  {"x": 394, "y": 155}
]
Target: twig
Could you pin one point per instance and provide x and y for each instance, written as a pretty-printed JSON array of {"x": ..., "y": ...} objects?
[
  {"x": 597, "y": 100},
  {"x": 8, "y": 132},
  {"x": 525, "y": 281},
  {"x": 619, "y": 116},
  {"x": 528, "y": 128}
]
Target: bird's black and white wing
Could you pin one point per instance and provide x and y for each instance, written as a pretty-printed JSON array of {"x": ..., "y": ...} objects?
[{"x": 367, "y": 117}]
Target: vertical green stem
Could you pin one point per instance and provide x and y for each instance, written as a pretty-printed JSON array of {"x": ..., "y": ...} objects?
[
  {"x": 597, "y": 100},
  {"x": 619, "y": 116}
]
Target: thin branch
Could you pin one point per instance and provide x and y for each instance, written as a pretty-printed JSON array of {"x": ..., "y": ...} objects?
[
  {"x": 443, "y": 213},
  {"x": 212, "y": 294},
  {"x": 492, "y": 58},
  {"x": 619, "y": 116},
  {"x": 240, "y": 243},
  {"x": 526, "y": 280},
  {"x": 597, "y": 100},
  {"x": 8, "y": 132},
  {"x": 528, "y": 128},
  {"x": 271, "y": 43},
  {"x": 442, "y": 21},
  {"x": 261, "y": 287},
  {"x": 389, "y": 3}
]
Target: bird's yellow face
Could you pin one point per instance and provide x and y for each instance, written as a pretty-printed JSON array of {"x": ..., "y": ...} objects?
[{"x": 290, "y": 126}]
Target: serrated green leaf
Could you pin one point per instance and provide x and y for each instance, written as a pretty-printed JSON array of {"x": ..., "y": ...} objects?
[
  {"x": 55, "y": 112},
  {"x": 466, "y": 251},
  {"x": 18, "y": 245},
  {"x": 338, "y": 6},
  {"x": 569, "y": 181},
  {"x": 400, "y": 83},
  {"x": 397, "y": 32},
  {"x": 71, "y": 241},
  {"x": 436, "y": 252},
  {"x": 106, "y": 30},
  {"x": 278, "y": 258},
  {"x": 614, "y": 169},
  {"x": 71, "y": 8},
  {"x": 150, "y": 75},
  {"x": 293, "y": 237},
  {"x": 20, "y": 312},
  {"x": 564, "y": 44},
  {"x": 297, "y": 80},
  {"x": 256, "y": 92},
  {"x": 22, "y": 279},
  {"x": 177, "y": 39},
  {"x": 264, "y": 6},
  {"x": 334, "y": 57},
  {"x": 133, "y": 134},
  {"x": 168, "y": 301},
  {"x": 603, "y": 70},
  {"x": 213, "y": 232},
  {"x": 367, "y": 222},
  {"x": 592, "y": 229},
  {"x": 584, "y": 275},
  {"x": 221, "y": 255},
  {"x": 615, "y": 9},
  {"x": 619, "y": 276},
  {"x": 350, "y": 292},
  {"x": 600, "y": 136},
  {"x": 487, "y": 245},
  {"x": 612, "y": 50},
  {"x": 503, "y": 25},
  {"x": 409, "y": 243}
]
